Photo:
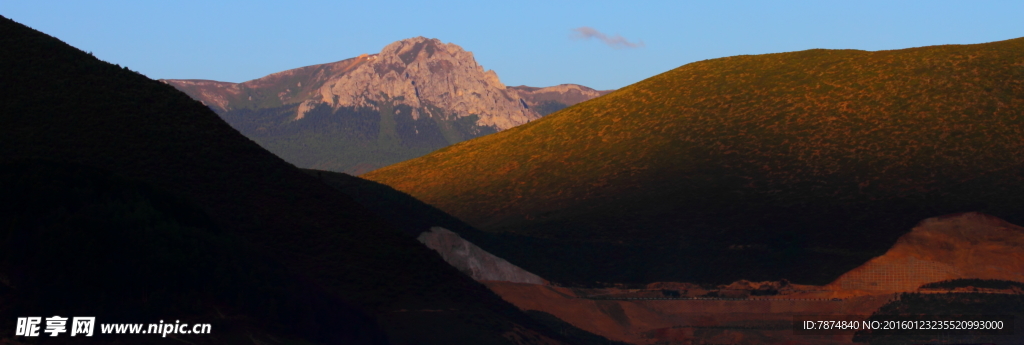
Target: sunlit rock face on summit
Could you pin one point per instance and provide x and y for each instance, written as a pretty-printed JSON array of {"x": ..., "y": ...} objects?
[{"x": 419, "y": 72}]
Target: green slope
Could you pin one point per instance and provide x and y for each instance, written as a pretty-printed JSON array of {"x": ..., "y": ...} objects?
[
  {"x": 61, "y": 105},
  {"x": 351, "y": 139},
  {"x": 795, "y": 165}
]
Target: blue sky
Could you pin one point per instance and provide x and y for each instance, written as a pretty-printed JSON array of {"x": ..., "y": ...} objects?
[{"x": 525, "y": 42}]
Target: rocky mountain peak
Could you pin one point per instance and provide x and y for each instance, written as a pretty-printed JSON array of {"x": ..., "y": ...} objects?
[
  {"x": 355, "y": 115},
  {"x": 423, "y": 74}
]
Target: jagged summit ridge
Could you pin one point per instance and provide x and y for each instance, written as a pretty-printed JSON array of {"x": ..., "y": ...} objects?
[{"x": 419, "y": 72}]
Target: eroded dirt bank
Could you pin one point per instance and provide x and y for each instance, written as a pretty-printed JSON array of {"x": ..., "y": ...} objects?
[{"x": 961, "y": 246}]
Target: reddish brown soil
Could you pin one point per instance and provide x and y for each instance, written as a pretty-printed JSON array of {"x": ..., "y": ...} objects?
[
  {"x": 962, "y": 246},
  {"x": 967, "y": 245}
]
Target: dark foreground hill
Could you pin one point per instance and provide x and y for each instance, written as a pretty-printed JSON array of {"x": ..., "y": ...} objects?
[
  {"x": 84, "y": 242},
  {"x": 156, "y": 209},
  {"x": 794, "y": 166}
]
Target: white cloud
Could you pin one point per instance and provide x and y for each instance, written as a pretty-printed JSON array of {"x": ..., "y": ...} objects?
[{"x": 617, "y": 42}]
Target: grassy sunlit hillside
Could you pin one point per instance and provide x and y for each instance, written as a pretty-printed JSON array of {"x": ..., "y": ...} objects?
[{"x": 794, "y": 165}]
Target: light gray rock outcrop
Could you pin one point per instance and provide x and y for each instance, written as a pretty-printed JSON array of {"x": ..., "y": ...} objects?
[{"x": 473, "y": 261}]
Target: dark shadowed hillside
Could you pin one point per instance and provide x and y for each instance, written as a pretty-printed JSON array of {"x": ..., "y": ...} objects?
[
  {"x": 794, "y": 166},
  {"x": 551, "y": 256},
  {"x": 105, "y": 166},
  {"x": 950, "y": 307},
  {"x": 80, "y": 241}
]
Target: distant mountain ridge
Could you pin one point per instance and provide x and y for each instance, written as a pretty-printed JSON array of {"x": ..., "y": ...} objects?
[
  {"x": 547, "y": 100},
  {"x": 272, "y": 90},
  {"x": 417, "y": 95}
]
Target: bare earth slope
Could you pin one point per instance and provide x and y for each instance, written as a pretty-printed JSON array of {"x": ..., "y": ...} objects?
[
  {"x": 797, "y": 165},
  {"x": 963, "y": 246}
]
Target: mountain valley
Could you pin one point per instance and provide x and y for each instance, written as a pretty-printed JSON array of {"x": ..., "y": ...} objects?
[{"x": 715, "y": 203}]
